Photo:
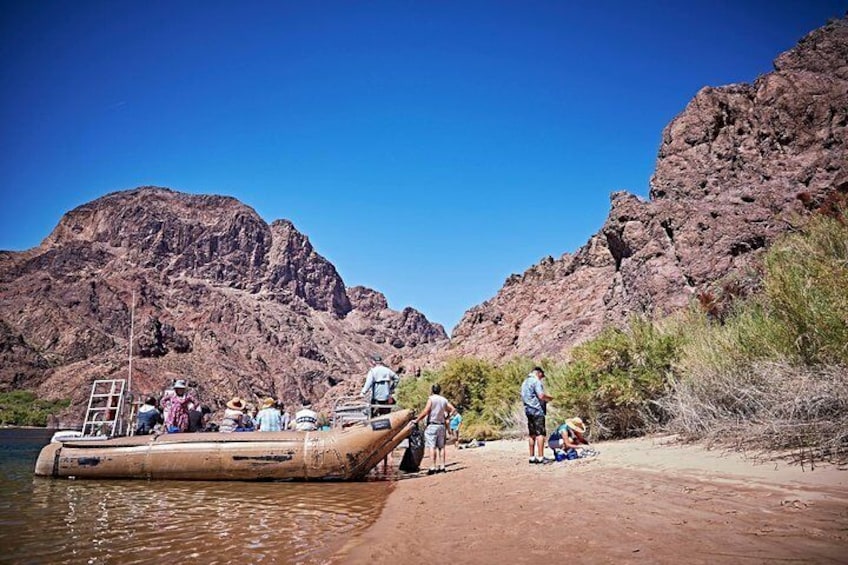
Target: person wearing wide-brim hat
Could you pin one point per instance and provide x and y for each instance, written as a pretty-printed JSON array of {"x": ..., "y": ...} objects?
[
  {"x": 232, "y": 415},
  {"x": 577, "y": 425},
  {"x": 269, "y": 418},
  {"x": 568, "y": 436}
]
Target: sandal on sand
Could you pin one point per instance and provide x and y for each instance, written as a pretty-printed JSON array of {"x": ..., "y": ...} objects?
[
  {"x": 441, "y": 470},
  {"x": 431, "y": 471}
]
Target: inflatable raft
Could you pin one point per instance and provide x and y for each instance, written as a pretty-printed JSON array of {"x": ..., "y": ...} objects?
[{"x": 345, "y": 454}]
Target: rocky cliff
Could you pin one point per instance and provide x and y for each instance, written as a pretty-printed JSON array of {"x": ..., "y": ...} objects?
[
  {"x": 738, "y": 167},
  {"x": 223, "y": 299}
]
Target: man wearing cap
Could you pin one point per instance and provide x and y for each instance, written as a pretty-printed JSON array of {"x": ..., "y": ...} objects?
[
  {"x": 379, "y": 386},
  {"x": 177, "y": 403},
  {"x": 535, "y": 401}
]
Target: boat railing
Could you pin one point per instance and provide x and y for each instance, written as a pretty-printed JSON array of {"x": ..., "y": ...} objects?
[{"x": 349, "y": 410}]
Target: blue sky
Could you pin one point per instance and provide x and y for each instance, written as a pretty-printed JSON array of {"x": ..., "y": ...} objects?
[{"x": 428, "y": 149}]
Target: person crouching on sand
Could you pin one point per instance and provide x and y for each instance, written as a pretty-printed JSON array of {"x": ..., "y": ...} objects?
[
  {"x": 568, "y": 438},
  {"x": 437, "y": 411}
]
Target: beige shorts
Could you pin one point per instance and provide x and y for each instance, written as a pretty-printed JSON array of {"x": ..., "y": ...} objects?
[{"x": 434, "y": 436}]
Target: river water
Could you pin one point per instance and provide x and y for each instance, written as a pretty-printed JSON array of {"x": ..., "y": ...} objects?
[{"x": 75, "y": 521}]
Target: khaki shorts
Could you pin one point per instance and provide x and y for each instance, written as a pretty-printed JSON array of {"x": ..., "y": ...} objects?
[{"x": 434, "y": 436}]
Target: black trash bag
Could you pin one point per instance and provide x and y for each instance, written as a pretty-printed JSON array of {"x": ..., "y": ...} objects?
[{"x": 413, "y": 454}]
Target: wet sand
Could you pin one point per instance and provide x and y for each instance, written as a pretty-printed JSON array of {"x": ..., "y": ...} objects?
[{"x": 640, "y": 501}]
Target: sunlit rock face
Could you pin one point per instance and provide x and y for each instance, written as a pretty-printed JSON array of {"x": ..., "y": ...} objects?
[
  {"x": 234, "y": 305},
  {"x": 740, "y": 166}
]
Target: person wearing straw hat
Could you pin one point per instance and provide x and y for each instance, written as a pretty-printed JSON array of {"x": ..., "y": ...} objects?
[
  {"x": 269, "y": 418},
  {"x": 232, "y": 415},
  {"x": 567, "y": 438}
]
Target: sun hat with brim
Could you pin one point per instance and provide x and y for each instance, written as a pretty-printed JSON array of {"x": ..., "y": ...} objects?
[
  {"x": 576, "y": 424},
  {"x": 236, "y": 403},
  {"x": 179, "y": 383},
  {"x": 268, "y": 402}
]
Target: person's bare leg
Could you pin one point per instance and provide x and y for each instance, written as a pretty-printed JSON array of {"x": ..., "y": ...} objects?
[
  {"x": 532, "y": 444},
  {"x": 442, "y": 457},
  {"x": 540, "y": 446}
]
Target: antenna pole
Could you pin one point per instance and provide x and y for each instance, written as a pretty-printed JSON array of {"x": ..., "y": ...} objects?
[{"x": 129, "y": 379}]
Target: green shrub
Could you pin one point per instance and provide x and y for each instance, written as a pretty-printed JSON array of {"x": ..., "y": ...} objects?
[
  {"x": 412, "y": 392},
  {"x": 749, "y": 335},
  {"x": 480, "y": 431},
  {"x": 615, "y": 379},
  {"x": 464, "y": 382},
  {"x": 24, "y": 408},
  {"x": 775, "y": 368},
  {"x": 807, "y": 289},
  {"x": 485, "y": 393}
]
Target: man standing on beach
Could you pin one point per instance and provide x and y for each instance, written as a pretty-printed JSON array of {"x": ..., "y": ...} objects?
[
  {"x": 535, "y": 406},
  {"x": 437, "y": 411}
]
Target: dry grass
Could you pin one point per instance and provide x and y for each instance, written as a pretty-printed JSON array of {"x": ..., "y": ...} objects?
[{"x": 773, "y": 407}]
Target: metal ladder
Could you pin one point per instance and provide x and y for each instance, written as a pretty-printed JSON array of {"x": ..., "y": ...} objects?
[{"x": 104, "y": 408}]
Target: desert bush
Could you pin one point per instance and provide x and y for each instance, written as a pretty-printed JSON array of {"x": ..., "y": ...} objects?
[
  {"x": 775, "y": 368},
  {"x": 749, "y": 335},
  {"x": 464, "y": 381},
  {"x": 503, "y": 407},
  {"x": 614, "y": 380},
  {"x": 485, "y": 393},
  {"x": 25, "y": 408},
  {"x": 412, "y": 392},
  {"x": 806, "y": 285},
  {"x": 480, "y": 430},
  {"x": 769, "y": 406}
]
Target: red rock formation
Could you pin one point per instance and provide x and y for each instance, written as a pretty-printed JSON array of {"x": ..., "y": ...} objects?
[
  {"x": 738, "y": 167},
  {"x": 222, "y": 298}
]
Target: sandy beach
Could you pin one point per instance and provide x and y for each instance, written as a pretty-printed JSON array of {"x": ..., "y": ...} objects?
[{"x": 648, "y": 500}]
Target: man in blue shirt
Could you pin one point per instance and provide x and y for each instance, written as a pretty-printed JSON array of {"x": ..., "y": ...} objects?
[
  {"x": 379, "y": 387},
  {"x": 535, "y": 406}
]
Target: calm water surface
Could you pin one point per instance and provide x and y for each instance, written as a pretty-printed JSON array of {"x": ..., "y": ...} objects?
[{"x": 76, "y": 521}]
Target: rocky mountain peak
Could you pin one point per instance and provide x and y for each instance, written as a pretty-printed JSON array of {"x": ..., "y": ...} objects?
[
  {"x": 223, "y": 299},
  {"x": 736, "y": 168}
]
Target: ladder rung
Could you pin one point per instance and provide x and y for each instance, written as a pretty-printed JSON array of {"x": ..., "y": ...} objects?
[{"x": 113, "y": 390}]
